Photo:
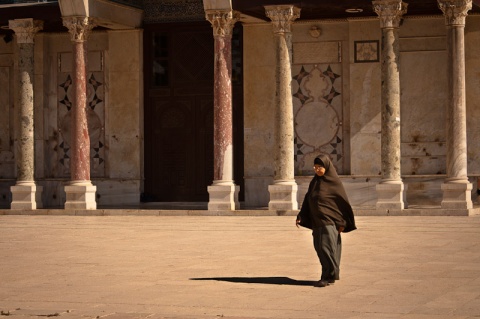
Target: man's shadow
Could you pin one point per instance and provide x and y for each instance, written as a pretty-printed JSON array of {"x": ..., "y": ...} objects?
[{"x": 262, "y": 280}]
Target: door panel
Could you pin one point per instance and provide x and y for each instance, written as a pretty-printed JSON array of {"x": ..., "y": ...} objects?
[{"x": 179, "y": 113}]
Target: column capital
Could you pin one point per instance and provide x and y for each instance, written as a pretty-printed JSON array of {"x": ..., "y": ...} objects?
[
  {"x": 390, "y": 12},
  {"x": 79, "y": 27},
  {"x": 282, "y": 17},
  {"x": 25, "y": 29},
  {"x": 455, "y": 11},
  {"x": 222, "y": 21}
]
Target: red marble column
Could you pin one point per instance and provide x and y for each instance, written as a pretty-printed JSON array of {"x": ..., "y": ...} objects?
[
  {"x": 223, "y": 192},
  {"x": 80, "y": 191},
  {"x": 80, "y": 139}
]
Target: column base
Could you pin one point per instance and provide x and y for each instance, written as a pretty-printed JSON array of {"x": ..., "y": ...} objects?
[
  {"x": 391, "y": 195},
  {"x": 283, "y": 196},
  {"x": 223, "y": 197},
  {"x": 80, "y": 196},
  {"x": 457, "y": 195},
  {"x": 26, "y": 197}
]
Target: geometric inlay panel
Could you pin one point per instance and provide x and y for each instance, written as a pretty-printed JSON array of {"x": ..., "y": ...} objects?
[
  {"x": 318, "y": 116},
  {"x": 95, "y": 120}
]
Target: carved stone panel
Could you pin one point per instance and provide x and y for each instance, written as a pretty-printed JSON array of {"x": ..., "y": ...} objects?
[{"x": 317, "y": 52}]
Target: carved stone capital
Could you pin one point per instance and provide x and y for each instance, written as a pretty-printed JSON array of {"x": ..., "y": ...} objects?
[
  {"x": 79, "y": 27},
  {"x": 282, "y": 17},
  {"x": 455, "y": 11},
  {"x": 222, "y": 21},
  {"x": 25, "y": 29},
  {"x": 390, "y": 12}
]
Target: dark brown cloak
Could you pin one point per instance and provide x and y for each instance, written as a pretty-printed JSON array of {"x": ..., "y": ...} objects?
[{"x": 326, "y": 202}]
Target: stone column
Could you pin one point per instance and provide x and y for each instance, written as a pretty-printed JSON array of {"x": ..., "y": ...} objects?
[
  {"x": 391, "y": 190},
  {"x": 456, "y": 188},
  {"x": 80, "y": 193},
  {"x": 223, "y": 193},
  {"x": 283, "y": 192},
  {"x": 25, "y": 194}
]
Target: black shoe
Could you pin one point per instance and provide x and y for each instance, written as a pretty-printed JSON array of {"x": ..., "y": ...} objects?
[
  {"x": 331, "y": 281},
  {"x": 321, "y": 283}
]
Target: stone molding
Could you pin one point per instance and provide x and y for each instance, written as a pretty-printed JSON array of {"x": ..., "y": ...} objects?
[
  {"x": 390, "y": 12},
  {"x": 79, "y": 27},
  {"x": 222, "y": 21},
  {"x": 282, "y": 17},
  {"x": 455, "y": 11},
  {"x": 25, "y": 29}
]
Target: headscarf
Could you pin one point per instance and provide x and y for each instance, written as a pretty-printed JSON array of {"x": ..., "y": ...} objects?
[{"x": 326, "y": 199}]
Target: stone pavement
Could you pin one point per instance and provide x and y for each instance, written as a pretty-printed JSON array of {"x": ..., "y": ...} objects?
[{"x": 125, "y": 267}]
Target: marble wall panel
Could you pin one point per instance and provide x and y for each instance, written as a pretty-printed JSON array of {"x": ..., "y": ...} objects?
[
  {"x": 364, "y": 102},
  {"x": 259, "y": 95},
  {"x": 365, "y": 119},
  {"x": 472, "y": 72},
  {"x": 423, "y": 83},
  {"x": 424, "y": 191},
  {"x": 5, "y": 108},
  {"x": 433, "y": 43},
  {"x": 117, "y": 193},
  {"x": 124, "y": 123},
  {"x": 256, "y": 191},
  {"x": 423, "y": 27},
  {"x": 5, "y": 193},
  {"x": 7, "y": 159},
  {"x": 39, "y": 104}
]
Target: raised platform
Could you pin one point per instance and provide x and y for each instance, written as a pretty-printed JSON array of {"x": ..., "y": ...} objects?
[{"x": 200, "y": 209}]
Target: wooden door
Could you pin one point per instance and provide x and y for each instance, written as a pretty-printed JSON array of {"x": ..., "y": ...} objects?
[{"x": 179, "y": 112}]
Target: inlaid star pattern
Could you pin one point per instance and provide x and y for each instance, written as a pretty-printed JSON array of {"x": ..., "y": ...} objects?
[
  {"x": 334, "y": 152},
  {"x": 65, "y": 85},
  {"x": 95, "y": 100},
  {"x": 299, "y": 95},
  {"x": 97, "y": 150},
  {"x": 331, "y": 95},
  {"x": 333, "y": 76},
  {"x": 298, "y": 146},
  {"x": 65, "y": 148},
  {"x": 299, "y": 77}
]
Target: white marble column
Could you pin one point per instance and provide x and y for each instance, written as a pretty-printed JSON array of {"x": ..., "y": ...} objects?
[
  {"x": 80, "y": 193},
  {"x": 223, "y": 193},
  {"x": 391, "y": 190},
  {"x": 25, "y": 194},
  {"x": 283, "y": 192},
  {"x": 456, "y": 188}
]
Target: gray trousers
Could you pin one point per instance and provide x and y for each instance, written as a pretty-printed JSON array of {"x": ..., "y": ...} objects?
[{"x": 328, "y": 245}]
